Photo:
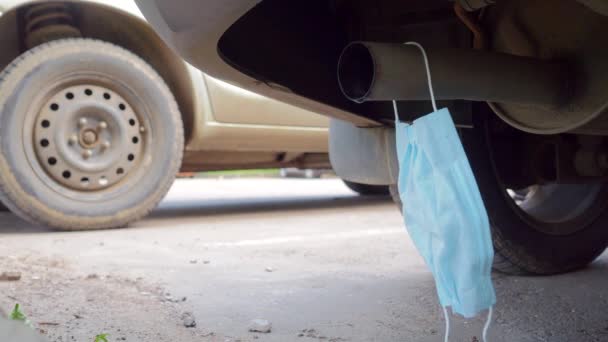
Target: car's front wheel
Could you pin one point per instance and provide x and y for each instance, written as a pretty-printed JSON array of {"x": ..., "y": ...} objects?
[{"x": 91, "y": 137}]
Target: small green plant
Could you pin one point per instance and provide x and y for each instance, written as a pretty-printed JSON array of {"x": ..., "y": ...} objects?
[
  {"x": 17, "y": 315},
  {"x": 101, "y": 338}
]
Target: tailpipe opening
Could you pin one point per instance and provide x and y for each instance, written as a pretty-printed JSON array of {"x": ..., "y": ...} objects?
[{"x": 356, "y": 72}]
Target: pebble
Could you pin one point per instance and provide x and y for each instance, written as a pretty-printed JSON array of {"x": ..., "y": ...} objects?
[
  {"x": 10, "y": 276},
  {"x": 269, "y": 269},
  {"x": 260, "y": 325},
  {"x": 312, "y": 333},
  {"x": 169, "y": 298},
  {"x": 188, "y": 320}
]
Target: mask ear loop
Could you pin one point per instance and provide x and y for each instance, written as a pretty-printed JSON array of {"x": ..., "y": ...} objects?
[
  {"x": 396, "y": 111},
  {"x": 486, "y": 326},
  {"x": 446, "y": 337},
  {"x": 428, "y": 76},
  {"x": 428, "y": 72}
]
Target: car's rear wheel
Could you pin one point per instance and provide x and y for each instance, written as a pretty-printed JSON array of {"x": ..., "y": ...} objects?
[
  {"x": 367, "y": 189},
  {"x": 91, "y": 136},
  {"x": 540, "y": 229}
]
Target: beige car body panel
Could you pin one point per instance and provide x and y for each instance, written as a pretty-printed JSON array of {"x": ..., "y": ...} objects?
[
  {"x": 233, "y": 119},
  {"x": 227, "y": 127}
]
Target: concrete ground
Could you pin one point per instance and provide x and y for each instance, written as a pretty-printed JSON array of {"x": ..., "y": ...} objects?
[{"x": 318, "y": 262}]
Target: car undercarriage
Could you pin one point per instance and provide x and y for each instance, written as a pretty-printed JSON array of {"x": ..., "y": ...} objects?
[{"x": 525, "y": 81}]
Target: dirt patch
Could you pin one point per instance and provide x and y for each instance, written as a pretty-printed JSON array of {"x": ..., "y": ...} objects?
[{"x": 65, "y": 306}]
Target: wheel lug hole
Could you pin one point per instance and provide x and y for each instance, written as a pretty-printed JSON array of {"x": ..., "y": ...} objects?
[
  {"x": 107, "y": 96},
  {"x": 44, "y": 143},
  {"x": 88, "y": 92},
  {"x": 66, "y": 174},
  {"x": 52, "y": 161},
  {"x": 54, "y": 107},
  {"x": 131, "y": 157},
  {"x": 45, "y": 124},
  {"x": 135, "y": 140},
  {"x": 132, "y": 122},
  {"x": 120, "y": 171},
  {"x": 122, "y": 106},
  {"x": 69, "y": 96}
]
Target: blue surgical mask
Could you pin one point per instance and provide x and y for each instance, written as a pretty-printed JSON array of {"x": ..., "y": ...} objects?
[{"x": 443, "y": 211}]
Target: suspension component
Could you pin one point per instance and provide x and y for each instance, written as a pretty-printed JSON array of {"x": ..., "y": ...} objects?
[{"x": 49, "y": 21}]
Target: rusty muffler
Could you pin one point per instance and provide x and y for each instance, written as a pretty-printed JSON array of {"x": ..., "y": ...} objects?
[{"x": 369, "y": 71}]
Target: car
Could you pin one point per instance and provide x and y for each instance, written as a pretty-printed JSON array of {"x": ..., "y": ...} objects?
[
  {"x": 525, "y": 82},
  {"x": 98, "y": 115},
  {"x": 292, "y": 172}
]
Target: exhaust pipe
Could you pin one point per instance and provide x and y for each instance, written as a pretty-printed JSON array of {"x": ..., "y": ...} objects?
[{"x": 369, "y": 71}]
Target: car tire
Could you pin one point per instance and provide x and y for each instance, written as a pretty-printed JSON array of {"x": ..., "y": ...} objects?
[
  {"x": 92, "y": 137},
  {"x": 367, "y": 190},
  {"x": 523, "y": 244},
  {"x": 554, "y": 232}
]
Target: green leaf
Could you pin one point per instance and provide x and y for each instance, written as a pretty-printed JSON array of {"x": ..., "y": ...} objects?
[
  {"x": 17, "y": 315},
  {"x": 101, "y": 338}
]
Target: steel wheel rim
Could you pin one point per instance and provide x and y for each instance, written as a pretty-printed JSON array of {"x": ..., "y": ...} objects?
[
  {"x": 87, "y": 137},
  {"x": 560, "y": 209},
  {"x": 553, "y": 209}
]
